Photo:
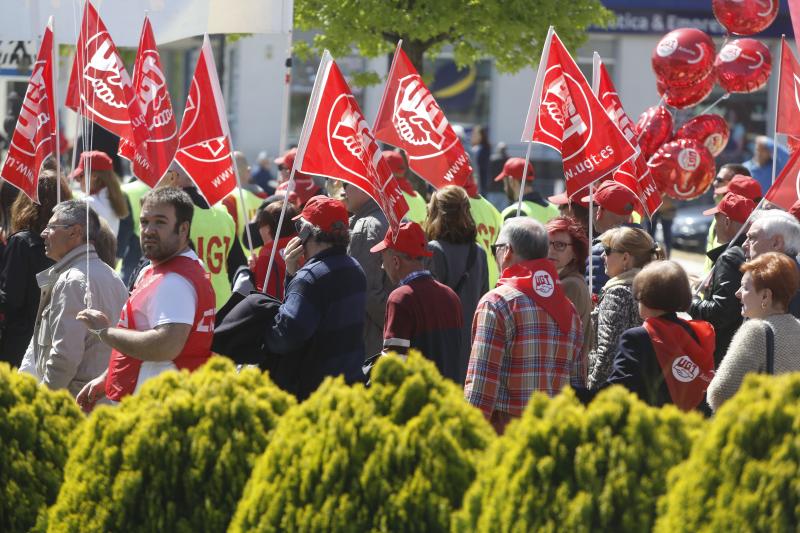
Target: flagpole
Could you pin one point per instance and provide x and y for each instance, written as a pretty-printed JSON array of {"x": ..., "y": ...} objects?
[
  {"x": 54, "y": 58},
  {"x": 311, "y": 110},
  {"x": 591, "y": 236},
  {"x": 777, "y": 107},
  {"x": 524, "y": 177}
]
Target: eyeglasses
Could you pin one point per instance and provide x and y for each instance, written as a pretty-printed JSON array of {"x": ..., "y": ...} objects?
[
  {"x": 498, "y": 246},
  {"x": 559, "y": 246},
  {"x": 52, "y": 227}
]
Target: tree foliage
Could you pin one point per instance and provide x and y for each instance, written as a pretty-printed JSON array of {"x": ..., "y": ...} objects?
[
  {"x": 510, "y": 31},
  {"x": 35, "y": 425},
  {"x": 174, "y": 457},
  {"x": 395, "y": 457},
  {"x": 563, "y": 467},
  {"x": 743, "y": 474}
]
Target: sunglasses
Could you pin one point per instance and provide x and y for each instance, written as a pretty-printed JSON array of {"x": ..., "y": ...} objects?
[{"x": 609, "y": 250}]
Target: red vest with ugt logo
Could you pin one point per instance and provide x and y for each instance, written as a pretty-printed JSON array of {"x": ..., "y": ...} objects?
[{"x": 123, "y": 371}]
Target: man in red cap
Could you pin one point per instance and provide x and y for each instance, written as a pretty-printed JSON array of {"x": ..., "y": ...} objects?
[
  {"x": 533, "y": 204},
  {"x": 322, "y": 314},
  {"x": 417, "y": 207},
  {"x": 421, "y": 313},
  {"x": 720, "y": 306},
  {"x": 743, "y": 186},
  {"x": 724, "y": 176},
  {"x": 614, "y": 205}
]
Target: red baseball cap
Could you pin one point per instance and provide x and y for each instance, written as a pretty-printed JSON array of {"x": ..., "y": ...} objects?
[
  {"x": 95, "y": 160},
  {"x": 395, "y": 161},
  {"x": 326, "y": 213},
  {"x": 287, "y": 159},
  {"x": 563, "y": 199},
  {"x": 410, "y": 241},
  {"x": 733, "y": 206},
  {"x": 514, "y": 167},
  {"x": 614, "y": 197},
  {"x": 743, "y": 186},
  {"x": 795, "y": 210}
]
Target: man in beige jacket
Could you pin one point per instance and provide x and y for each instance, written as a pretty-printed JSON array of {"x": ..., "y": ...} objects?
[{"x": 62, "y": 353}]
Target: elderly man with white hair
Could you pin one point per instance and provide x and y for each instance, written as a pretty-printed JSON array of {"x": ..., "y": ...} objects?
[{"x": 774, "y": 230}]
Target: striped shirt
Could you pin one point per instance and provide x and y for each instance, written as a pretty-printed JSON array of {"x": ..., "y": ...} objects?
[{"x": 517, "y": 349}]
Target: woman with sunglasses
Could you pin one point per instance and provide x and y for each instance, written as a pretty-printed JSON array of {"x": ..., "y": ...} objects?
[
  {"x": 569, "y": 247},
  {"x": 625, "y": 251}
]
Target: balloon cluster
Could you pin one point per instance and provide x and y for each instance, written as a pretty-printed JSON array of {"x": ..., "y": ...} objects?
[{"x": 687, "y": 67}]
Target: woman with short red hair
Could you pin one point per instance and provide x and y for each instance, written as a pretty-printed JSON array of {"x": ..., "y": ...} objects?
[
  {"x": 569, "y": 247},
  {"x": 768, "y": 341}
]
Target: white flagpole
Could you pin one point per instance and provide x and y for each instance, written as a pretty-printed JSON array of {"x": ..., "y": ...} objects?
[
  {"x": 305, "y": 133},
  {"x": 591, "y": 236},
  {"x": 777, "y": 107},
  {"x": 54, "y": 59},
  {"x": 524, "y": 179}
]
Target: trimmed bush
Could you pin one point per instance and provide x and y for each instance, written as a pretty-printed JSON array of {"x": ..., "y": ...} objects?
[
  {"x": 395, "y": 457},
  {"x": 35, "y": 426},
  {"x": 744, "y": 474},
  {"x": 175, "y": 457},
  {"x": 563, "y": 467}
]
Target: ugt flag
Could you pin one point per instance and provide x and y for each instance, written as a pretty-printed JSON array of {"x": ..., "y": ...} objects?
[
  {"x": 150, "y": 88},
  {"x": 410, "y": 118},
  {"x": 34, "y": 138},
  {"x": 788, "y": 112},
  {"x": 786, "y": 189},
  {"x": 204, "y": 150},
  {"x": 634, "y": 174},
  {"x": 336, "y": 142},
  {"x": 565, "y": 115}
]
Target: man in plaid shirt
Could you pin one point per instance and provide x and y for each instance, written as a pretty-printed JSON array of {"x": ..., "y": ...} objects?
[{"x": 526, "y": 334}]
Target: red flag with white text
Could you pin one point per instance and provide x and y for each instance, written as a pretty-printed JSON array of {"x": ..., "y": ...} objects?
[
  {"x": 150, "y": 88},
  {"x": 786, "y": 189},
  {"x": 204, "y": 150},
  {"x": 337, "y": 143},
  {"x": 99, "y": 86},
  {"x": 34, "y": 138},
  {"x": 409, "y": 118},
  {"x": 788, "y": 115},
  {"x": 567, "y": 116},
  {"x": 634, "y": 173}
]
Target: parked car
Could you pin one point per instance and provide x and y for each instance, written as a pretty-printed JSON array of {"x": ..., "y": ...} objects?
[{"x": 690, "y": 227}]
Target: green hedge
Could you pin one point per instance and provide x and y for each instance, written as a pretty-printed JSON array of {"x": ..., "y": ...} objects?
[
  {"x": 35, "y": 427},
  {"x": 744, "y": 474},
  {"x": 395, "y": 457},
  {"x": 175, "y": 457},
  {"x": 563, "y": 467}
]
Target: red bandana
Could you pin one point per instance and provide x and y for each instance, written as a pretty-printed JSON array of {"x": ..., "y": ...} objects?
[{"x": 538, "y": 280}]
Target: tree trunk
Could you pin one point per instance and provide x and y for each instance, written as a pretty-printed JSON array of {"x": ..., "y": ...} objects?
[{"x": 415, "y": 50}]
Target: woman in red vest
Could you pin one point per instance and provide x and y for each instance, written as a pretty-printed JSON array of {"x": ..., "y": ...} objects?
[{"x": 667, "y": 359}]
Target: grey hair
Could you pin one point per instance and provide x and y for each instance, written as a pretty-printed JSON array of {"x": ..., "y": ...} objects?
[
  {"x": 776, "y": 222},
  {"x": 73, "y": 212},
  {"x": 527, "y": 237}
]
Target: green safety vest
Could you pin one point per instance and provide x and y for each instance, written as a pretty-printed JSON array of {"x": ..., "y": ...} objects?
[
  {"x": 417, "y": 208},
  {"x": 532, "y": 209},
  {"x": 213, "y": 233},
  {"x": 135, "y": 191},
  {"x": 488, "y": 223}
]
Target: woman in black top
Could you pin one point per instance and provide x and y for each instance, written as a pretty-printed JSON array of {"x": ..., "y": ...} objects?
[{"x": 23, "y": 258}]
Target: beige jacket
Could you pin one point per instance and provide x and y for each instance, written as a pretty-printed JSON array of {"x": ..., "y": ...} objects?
[{"x": 62, "y": 353}]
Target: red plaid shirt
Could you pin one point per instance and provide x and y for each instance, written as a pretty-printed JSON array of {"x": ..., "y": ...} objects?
[{"x": 517, "y": 348}]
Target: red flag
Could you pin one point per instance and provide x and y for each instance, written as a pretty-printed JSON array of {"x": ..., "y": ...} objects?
[
  {"x": 633, "y": 173},
  {"x": 34, "y": 138},
  {"x": 788, "y": 114},
  {"x": 786, "y": 189},
  {"x": 794, "y": 13},
  {"x": 204, "y": 150},
  {"x": 150, "y": 87},
  {"x": 566, "y": 115},
  {"x": 410, "y": 118},
  {"x": 337, "y": 143},
  {"x": 99, "y": 86}
]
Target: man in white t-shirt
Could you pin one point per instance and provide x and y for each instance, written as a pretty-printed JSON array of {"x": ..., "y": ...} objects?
[{"x": 168, "y": 321}]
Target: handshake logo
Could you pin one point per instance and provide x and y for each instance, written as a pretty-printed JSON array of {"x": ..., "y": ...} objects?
[{"x": 418, "y": 119}]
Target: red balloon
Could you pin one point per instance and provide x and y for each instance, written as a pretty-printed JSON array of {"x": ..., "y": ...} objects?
[
  {"x": 743, "y": 66},
  {"x": 653, "y": 129},
  {"x": 684, "y": 97},
  {"x": 745, "y": 17},
  {"x": 683, "y": 169},
  {"x": 711, "y": 130},
  {"x": 683, "y": 56}
]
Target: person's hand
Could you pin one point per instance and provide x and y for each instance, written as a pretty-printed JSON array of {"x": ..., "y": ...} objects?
[
  {"x": 93, "y": 319},
  {"x": 91, "y": 393},
  {"x": 251, "y": 263},
  {"x": 292, "y": 255}
]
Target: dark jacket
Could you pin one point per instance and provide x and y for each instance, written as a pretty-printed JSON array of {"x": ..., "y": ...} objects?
[
  {"x": 598, "y": 272},
  {"x": 720, "y": 306},
  {"x": 323, "y": 317},
  {"x": 23, "y": 258}
]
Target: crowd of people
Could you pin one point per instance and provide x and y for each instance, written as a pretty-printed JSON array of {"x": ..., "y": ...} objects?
[{"x": 118, "y": 283}]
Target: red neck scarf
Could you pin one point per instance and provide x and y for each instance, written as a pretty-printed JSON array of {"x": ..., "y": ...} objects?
[{"x": 539, "y": 281}]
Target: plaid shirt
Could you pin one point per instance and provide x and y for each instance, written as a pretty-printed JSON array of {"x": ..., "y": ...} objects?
[{"x": 517, "y": 349}]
